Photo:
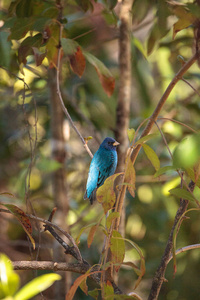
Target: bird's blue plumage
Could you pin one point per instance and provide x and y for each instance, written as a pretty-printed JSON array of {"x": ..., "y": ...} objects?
[{"x": 102, "y": 166}]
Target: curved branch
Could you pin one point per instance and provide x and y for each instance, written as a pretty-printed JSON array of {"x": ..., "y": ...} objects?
[
  {"x": 184, "y": 249},
  {"x": 61, "y": 99}
]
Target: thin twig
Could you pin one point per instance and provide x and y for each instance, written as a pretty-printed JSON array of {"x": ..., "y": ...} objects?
[
  {"x": 184, "y": 249},
  {"x": 61, "y": 99}
]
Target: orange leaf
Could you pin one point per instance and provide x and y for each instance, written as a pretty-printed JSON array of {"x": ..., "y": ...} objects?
[
  {"x": 108, "y": 83},
  {"x": 77, "y": 62},
  {"x": 106, "y": 78},
  {"x": 77, "y": 283},
  {"x": 91, "y": 234},
  {"x": 23, "y": 219}
]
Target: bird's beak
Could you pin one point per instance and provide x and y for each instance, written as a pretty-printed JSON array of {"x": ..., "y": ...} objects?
[{"x": 115, "y": 143}]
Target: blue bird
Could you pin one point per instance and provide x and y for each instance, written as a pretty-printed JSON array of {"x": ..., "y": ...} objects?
[{"x": 102, "y": 166}]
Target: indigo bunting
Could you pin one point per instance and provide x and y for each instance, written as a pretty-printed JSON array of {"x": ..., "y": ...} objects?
[{"x": 102, "y": 166}]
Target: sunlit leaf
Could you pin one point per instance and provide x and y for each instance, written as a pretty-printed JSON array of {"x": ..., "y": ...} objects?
[
  {"x": 9, "y": 280},
  {"x": 131, "y": 134},
  {"x": 22, "y": 218},
  {"x": 117, "y": 247},
  {"x": 106, "y": 193},
  {"x": 106, "y": 78},
  {"x": 83, "y": 286},
  {"x": 36, "y": 286},
  {"x": 152, "y": 156},
  {"x": 187, "y": 152}
]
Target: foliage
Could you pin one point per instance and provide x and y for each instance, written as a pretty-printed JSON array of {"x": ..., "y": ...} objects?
[
  {"x": 9, "y": 282},
  {"x": 31, "y": 37}
]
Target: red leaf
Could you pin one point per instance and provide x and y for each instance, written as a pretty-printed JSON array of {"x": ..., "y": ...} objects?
[
  {"x": 106, "y": 78},
  {"x": 77, "y": 62}
]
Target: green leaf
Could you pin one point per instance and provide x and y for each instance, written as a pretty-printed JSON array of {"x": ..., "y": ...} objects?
[
  {"x": 152, "y": 156},
  {"x": 187, "y": 153},
  {"x": 9, "y": 280},
  {"x": 105, "y": 77},
  {"x": 146, "y": 138},
  {"x": 5, "y": 48},
  {"x": 131, "y": 134},
  {"x": 108, "y": 291},
  {"x": 36, "y": 286},
  {"x": 163, "y": 170},
  {"x": 181, "y": 193},
  {"x": 117, "y": 247},
  {"x": 94, "y": 293},
  {"x": 112, "y": 216},
  {"x": 106, "y": 194},
  {"x": 20, "y": 28}
]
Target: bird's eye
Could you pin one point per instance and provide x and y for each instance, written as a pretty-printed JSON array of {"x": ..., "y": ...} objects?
[{"x": 109, "y": 143}]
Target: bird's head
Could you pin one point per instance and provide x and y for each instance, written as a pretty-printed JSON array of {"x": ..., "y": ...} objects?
[{"x": 109, "y": 143}]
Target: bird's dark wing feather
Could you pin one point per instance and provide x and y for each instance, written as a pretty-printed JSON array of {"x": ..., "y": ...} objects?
[{"x": 103, "y": 174}]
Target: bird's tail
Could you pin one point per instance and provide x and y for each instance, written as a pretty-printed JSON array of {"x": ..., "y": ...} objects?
[{"x": 92, "y": 196}]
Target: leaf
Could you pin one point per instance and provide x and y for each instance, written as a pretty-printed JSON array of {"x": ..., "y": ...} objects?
[
  {"x": 77, "y": 62},
  {"x": 20, "y": 28},
  {"x": 181, "y": 193},
  {"x": 112, "y": 216},
  {"x": 52, "y": 44},
  {"x": 129, "y": 176},
  {"x": 186, "y": 18},
  {"x": 146, "y": 138},
  {"x": 23, "y": 219},
  {"x": 163, "y": 170},
  {"x": 133, "y": 266},
  {"x": 175, "y": 236},
  {"x": 105, "y": 77},
  {"x": 83, "y": 286},
  {"x": 187, "y": 152},
  {"x": 142, "y": 262},
  {"x": 117, "y": 247},
  {"x": 131, "y": 134},
  {"x": 39, "y": 56},
  {"x": 36, "y": 286},
  {"x": 9, "y": 280},
  {"x": 108, "y": 291},
  {"x": 91, "y": 234},
  {"x": 152, "y": 156},
  {"x": 106, "y": 194},
  {"x": 86, "y": 227},
  {"x": 94, "y": 294},
  {"x": 77, "y": 283}
]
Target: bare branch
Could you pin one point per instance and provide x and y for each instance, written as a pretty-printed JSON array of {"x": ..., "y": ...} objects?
[
  {"x": 184, "y": 249},
  {"x": 61, "y": 99}
]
